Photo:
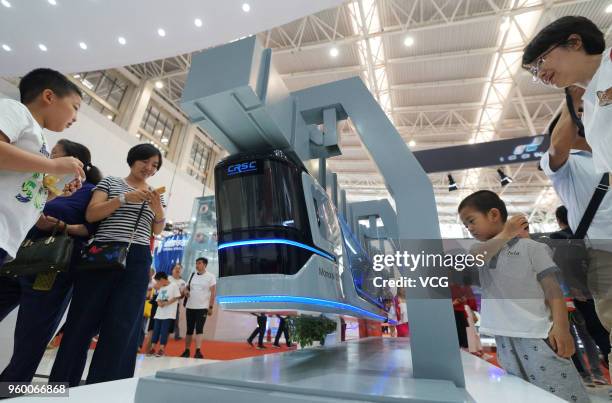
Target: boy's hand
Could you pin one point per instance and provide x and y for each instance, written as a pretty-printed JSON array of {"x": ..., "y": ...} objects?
[
  {"x": 67, "y": 165},
  {"x": 561, "y": 341},
  {"x": 516, "y": 226}
]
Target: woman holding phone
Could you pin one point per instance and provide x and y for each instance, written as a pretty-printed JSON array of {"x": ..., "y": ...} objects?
[{"x": 111, "y": 302}]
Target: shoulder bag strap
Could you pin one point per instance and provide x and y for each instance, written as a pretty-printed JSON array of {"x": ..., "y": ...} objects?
[{"x": 589, "y": 213}]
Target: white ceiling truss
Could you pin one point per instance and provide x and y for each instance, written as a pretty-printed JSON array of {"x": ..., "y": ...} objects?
[{"x": 459, "y": 83}]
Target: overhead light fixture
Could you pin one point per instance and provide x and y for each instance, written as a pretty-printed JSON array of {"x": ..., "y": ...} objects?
[
  {"x": 609, "y": 8},
  {"x": 412, "y": 143},
  {"x": 197, "y": 22},
  {"x": 504, "y": 25},
  {"x": 471, "y": 141},
  {"x": 408, "y": 41},
  {"x": 52, "y": 2},
  {"x": 333, "y": 52},
  {"x": 158, "y": 131},
  {"x": 6, "y": 47},
  {"x": 503, "y": 178},
  {"x": 110, "y": 117},
  {"x": 159, "y": 85},
  {"x": 42, "y": 47},
  {"x": 164, "y": 140},
  {"x": 452, "y": 185},
  {"x": 6, "y": 3},
  {"x": 246, "y": 7},
  {"x": 161, "y": 32},
  {"x": 83, "y": 45},
  {"x": 121, "y": 40},
  {"x": 77, "y": 76}
]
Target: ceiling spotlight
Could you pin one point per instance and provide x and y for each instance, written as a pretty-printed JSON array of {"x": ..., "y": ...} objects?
[
  {"x": 333, "y": 52},
  {"x": 6, "y": 3},
  {"x": 503, "y": 178},
  {"x": 121, "y": 40},
  {"x": 42, "y": 47},
  {"x": 6, "y": 47},
  {"x": 83, "y": 45},
  {"x": 198, "y": 22},
  {"x": 408, "y": 41},
  {"x": 158, "y": 131},
  {"x": 52, "y": 2},
  {"x": 164, "y": 140},
  {"x": 452, "y": 185},
  {"x": 159, "y": 85},
  {"x": 246, "y": 7},
  {"x": 609, "y": 8},
  {"x": 412, "y": 143},
  {"x": 110, "y": 117},
  {"x": 161, "y": 32}
]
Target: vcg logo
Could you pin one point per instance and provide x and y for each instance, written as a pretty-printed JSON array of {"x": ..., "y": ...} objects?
[{"x": 242, "y": 168}]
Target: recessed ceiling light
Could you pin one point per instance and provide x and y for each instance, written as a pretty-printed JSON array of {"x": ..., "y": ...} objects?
[
  {"x": 333, "y": 52},
  {"x": 609, "y": 8},
  {"x": 246, "y": 7},
  {"x": 159, "y": 85},
  {"x": 83, "y": 45},
  {"x": 6, "y": 3},
  {"x": 412, "y": 143},
  {"x": 161, "y": 32},
  {"x": 42, "y": 47},
  {"x": 408, "y": 41},
  {"x": 198, "y": 22},
  {"x": 121, "y": 40},
  {"x": 52, "y": 2},
  {"x": 6, "y": 47},
  {"x": 158, "y": 131},
  {"x": 110, "y": 117}
]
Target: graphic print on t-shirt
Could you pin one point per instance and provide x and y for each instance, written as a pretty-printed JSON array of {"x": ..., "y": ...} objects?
[{"x": 33, "y": 189}]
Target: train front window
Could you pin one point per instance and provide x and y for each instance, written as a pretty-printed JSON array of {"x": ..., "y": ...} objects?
[{"x": 267, "y": 196}]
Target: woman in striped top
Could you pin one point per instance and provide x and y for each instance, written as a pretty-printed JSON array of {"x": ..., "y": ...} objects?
[{"x": 111, "y": 302}]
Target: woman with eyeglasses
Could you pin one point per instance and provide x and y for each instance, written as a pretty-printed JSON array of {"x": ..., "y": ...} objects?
[{"x": 111, "y": 302}]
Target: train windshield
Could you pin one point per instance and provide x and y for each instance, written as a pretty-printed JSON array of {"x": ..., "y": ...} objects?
[{"x": 259, "y": 194}]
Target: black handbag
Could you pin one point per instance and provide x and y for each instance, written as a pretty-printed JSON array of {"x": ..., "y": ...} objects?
[
  {"x": 45, "y": 255},
  {"x": 107, "y": 256}
]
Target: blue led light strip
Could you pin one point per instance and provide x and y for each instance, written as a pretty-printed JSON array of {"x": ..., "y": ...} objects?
[
  {"x": 235, "y": 299},
  {"x": 276, "y": 241}
]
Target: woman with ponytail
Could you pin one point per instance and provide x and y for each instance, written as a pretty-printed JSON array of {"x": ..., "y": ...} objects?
[{"x": 40, "y": 311}]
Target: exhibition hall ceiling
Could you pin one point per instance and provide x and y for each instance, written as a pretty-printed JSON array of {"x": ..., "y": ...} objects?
[{"x": 85, "y": 35}]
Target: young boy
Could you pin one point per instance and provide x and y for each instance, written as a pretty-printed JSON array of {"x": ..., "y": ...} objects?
[
  {"x": 48, "y": 101},
  {"x": 522, "y": 305},
  {"x": 572, "y": 51},
  {"x": 167, "y": 301}
]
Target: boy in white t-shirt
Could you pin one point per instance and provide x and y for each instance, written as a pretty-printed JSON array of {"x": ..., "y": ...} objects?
[
  {"x": 48, "y": 101},
  {"x": 177, "y": 272},
  {"x": 167, "y": 301},
  {"x": 572, "y": 51},
  {"x": 522, "y": 302}
]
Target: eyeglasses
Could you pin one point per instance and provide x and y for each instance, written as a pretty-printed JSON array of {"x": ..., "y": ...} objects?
[{"x": 534, "y": 69}]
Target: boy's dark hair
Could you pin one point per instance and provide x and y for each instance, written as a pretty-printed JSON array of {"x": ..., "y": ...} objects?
[
  {"x": 38, "y": 80},
  {"x": 483, "y": 201},
  {"x": 143, "y": 152},
  {"x": 558, "y": 32},
  {"x": 561, "y": 214},
  {"x": 160, "y": 275},
  {"x": 82, "y": 153},
  {"x": 202, "y": 259}
]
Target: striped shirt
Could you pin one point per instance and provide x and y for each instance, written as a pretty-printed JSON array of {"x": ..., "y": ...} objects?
[{"x": 118, "y": 227}]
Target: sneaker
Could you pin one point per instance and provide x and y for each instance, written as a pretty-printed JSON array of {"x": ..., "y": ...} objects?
[
  {"x": 250, "y": 343},
  {"x": 185, "y": 353},
  {"x": 600, "y": 380},
  {"x": 160, "y": 353},
  {"x": 198, "y": 354},
  {"x": 151, "y": 352},
  {"x": 275, "y": 346},
  {"x": 261, "y": 347},
  {"x": 588, "y": 381}
]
